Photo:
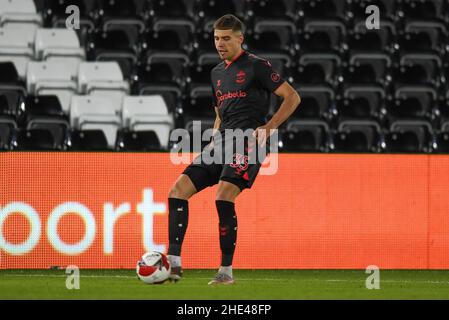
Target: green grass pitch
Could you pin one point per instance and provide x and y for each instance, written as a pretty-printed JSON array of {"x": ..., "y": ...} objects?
[{"x": 250, "y": 284}]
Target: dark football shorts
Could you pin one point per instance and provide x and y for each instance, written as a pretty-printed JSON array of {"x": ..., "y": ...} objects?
[{"x": 238, "y": 166}]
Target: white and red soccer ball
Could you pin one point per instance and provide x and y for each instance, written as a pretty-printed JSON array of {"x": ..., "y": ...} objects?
[{"x": 153, "y": 268}]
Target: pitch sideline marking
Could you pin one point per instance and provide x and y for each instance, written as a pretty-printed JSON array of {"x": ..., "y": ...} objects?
[{"x": 239, "y": 279}]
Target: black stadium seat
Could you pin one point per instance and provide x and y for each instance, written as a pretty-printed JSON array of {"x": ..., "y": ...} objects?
[
  {"x": 424, "y": 9},
  {"x": 35, "y": 140},
  {"x": 274, "y": 9},
  {"x": 8, "y": 128},
  {"x": 88, "y": 140},
  {"x": 323, "y": 8},
  {"x": 306, "y": 136},
  {"x": 357, "y": 136},
  {"x": 131, "y": 14},
  {"x": 138, "y": 141},
  {"x": 116, "y": 45},
  {"x": 45, "y": 112},
  {"x": 409, "y": 136}
]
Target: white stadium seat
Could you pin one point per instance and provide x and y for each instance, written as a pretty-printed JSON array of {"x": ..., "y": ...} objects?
[
  {"x": 141, "y": 113},
  {"x": 103, "y": 79},
  {"x": 58, "y": 43},
  {"x": 101, "y": 76},
  {"x": 95, "y": 112},
  {"x": 55, "y": 78},
  {"x": 17, "y": 45},
  {"x": 19, "y": 13}
]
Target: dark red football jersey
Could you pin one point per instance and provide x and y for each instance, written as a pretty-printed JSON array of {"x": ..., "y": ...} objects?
[{"x": 241, "y": 90}]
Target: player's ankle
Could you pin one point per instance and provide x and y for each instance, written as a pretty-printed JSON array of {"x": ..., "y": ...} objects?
[
  {"x": 227, "y": 270},
  {"x": 175, "y": 261}
]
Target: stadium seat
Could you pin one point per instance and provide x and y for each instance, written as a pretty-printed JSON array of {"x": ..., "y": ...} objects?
[
  {"x": 357, "y": 136},
  {"x": 144, "y": 113},
  {"x": 171, "y": 35},
  {"x": 138, "y": 141},
  {"x": 323, "y": 9},
  {"x": 198, "y": 105},
  {"x": 52, "y": 77},
  {"x": 95, "y": 112},
  {"x": 305, "y": 136},
  {"x": 273, "y": 40},
  {"x": 172, "y": 94},
  {"x": 362, "y": 101},
  {"x": 9, "y": 75},
  {"x": 45, "y": 112},
  {"x": 115, "y": 45},
  {"x": 130, "y": 14},
  {"x": 368, "y": 68},
  {"x": 443, "y": 108},
  {"x": 322, "y": 36},
  {"x": 318, "y": 68},
  {"x": 423, "y": 9},
  {"x": 413, "y": 102},
  {"x": 11, "y": 102},
  {"x": 88, "y": 140},
  {"x": 267, "y": 9},
  {"x": 316, "y": 102},
  {"x": 179, "y": 9},
  {"x": 19, "y": 13},
  {"x": 361, "y": 39},
  {"x": 58, "y": 44},
  {"x": 409, "y": 136},
  {"x": 208, "y": 11},
  {"x": 35, "y": 140},
  {"x": 55, "y": 15},
  {"x": 204, "y": 50},
  {"x": 424, "y": 36},
  {"x": 387, "y": 8},
  {"x": 418, "y": 68},
  {"x": 442, "y": 139},
  {"x": 17, "y": 45},
  {"x": 199, "y": 74},
  {"x": 103, "y": 79},
  {"x": 8, "y": 128},
  {"x": 167, "y": 47}
]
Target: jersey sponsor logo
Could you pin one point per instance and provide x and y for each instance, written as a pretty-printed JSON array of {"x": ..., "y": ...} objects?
[
  {"x": 229, "y": 95},
  {"x": 275, "y": 77},
  {"x": 241, "y": 77},
  {"x": 218, "y": 82}
]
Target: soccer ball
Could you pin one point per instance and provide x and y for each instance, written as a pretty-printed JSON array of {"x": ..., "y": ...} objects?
[{"x": 153, "y": 268}]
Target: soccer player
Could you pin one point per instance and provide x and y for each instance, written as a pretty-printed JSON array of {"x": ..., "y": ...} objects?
[{"x": 242, "y": 84}]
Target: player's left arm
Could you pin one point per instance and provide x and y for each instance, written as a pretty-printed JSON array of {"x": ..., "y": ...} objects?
[{"x": 290, "y": 101}]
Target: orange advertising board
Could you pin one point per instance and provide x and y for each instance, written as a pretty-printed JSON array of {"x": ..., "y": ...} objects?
[{"x": 104, "y": 210}]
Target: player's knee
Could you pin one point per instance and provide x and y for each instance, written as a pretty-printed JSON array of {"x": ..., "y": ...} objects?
[
  {"x": 226, "y": 194},
  {"x": 177, "y": 192}
]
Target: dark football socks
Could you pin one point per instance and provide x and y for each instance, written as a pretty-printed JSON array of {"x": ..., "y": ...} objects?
[
  {"x": 178, "y": 217},
  {"x": 228, "y": 230}
]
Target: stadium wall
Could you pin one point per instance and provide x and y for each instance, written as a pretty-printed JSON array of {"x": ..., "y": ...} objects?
[{"x": 103, "y": 210}]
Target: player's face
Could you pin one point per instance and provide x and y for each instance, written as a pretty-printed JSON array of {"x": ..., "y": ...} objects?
[{"x": 228, "y": 43}]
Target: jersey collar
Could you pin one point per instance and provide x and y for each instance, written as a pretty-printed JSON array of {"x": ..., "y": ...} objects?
[{"x": 235, "y": 59}]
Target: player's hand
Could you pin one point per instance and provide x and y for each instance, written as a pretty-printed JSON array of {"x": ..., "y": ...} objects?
[{"x": 262, "y": 134}]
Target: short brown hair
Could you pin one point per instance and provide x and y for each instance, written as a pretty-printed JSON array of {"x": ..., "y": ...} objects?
[{"x": 229, "y": 21}]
